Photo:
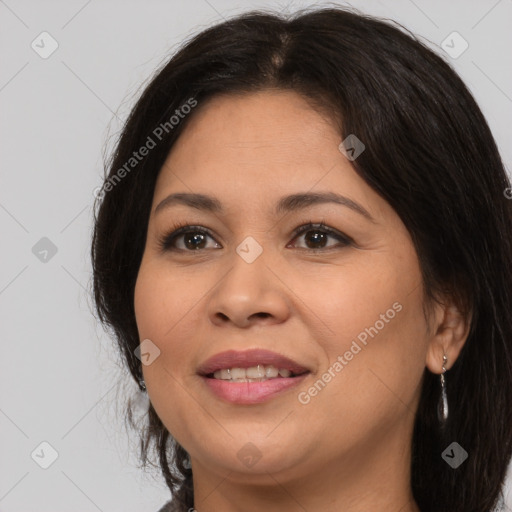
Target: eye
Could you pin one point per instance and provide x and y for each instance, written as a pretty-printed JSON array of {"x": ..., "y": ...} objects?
[
  {"x": 316, "y": 237},
  {"x": 187, "y": 238}
]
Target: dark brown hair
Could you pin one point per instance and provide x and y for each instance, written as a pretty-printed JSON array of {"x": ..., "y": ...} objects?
[{"x": 429, "y": 153}]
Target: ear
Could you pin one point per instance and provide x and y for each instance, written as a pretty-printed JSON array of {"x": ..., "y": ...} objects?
[{"x": 450, "y": 328}]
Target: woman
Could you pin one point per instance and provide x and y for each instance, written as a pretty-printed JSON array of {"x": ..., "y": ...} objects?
[{"x": 303, "y": 247}]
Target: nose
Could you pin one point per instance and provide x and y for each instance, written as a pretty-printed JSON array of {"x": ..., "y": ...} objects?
[{"x": 249, "y": 293}]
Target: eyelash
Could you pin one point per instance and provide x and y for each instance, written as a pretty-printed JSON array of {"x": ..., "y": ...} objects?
[{"x": 165, "y": 241}]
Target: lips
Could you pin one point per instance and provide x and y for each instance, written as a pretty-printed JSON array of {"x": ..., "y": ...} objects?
[{"x": 248, "y": 359}]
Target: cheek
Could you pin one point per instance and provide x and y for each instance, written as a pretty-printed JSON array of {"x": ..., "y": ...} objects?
[
  {"x": 169, "y": 311},
  {"x": 161, "y": 299},
  {"x": 149, "y": 305},
  {"x": 372, "y": 330},
  {"x": 346, "y": 299},
  {"x": 370, "y": 387}
]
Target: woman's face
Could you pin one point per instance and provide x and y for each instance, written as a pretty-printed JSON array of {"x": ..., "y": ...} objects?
[{"x": 343, "y": 301}]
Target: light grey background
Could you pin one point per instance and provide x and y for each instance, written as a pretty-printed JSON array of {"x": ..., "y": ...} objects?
[{"x": 60, "y": 378}]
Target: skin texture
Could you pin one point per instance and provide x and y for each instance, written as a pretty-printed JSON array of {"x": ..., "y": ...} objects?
[{"x": 348, "y": 448}]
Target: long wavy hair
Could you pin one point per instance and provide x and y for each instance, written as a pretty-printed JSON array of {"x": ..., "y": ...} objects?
[{"x": 429, "y": 153}]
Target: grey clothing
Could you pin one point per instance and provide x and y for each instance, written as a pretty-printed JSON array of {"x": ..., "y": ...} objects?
[{"x": 169, "y": 507}]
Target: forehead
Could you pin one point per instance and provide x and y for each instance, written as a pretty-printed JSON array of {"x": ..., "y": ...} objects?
[
  {"x": 251, "y": 150},
  {"x": 265, "y": 136}
]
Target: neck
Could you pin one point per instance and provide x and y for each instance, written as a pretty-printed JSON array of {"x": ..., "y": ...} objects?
[{"x": 376, "y": 477}]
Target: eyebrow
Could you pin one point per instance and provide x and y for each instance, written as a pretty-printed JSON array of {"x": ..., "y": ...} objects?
[{"x": 285, "y": 204}]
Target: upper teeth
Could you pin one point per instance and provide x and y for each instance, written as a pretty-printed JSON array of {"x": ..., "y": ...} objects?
[{"x": 254, "y": 372}]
